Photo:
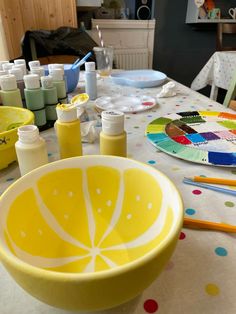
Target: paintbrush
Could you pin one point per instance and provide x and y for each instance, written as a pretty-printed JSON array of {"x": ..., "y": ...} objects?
[
  {"x": 203, "y": 224},
  {"x": 209, "y": 187},
  {"x": 213, "y": 180}
]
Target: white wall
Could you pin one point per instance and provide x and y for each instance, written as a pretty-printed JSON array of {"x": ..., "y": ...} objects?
[{"x": 3, "y": 46}]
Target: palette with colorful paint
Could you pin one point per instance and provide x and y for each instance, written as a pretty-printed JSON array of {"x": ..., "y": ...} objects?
[
  {"x": 126, "y": 104},
  {"x": 198, "y": 136}
]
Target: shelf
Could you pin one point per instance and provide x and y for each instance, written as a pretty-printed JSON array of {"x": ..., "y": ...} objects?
[
  {"x": 192, "y": 16},
  {"x": 118, "y": 23},
  {"x": 215, "y": 21},
  {"x": 88, "y": 3}
]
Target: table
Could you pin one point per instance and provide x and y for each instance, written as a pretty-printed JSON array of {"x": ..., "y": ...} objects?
[
  {"x": 201, "y": 275},
  {"x": 217, "y": 72}
]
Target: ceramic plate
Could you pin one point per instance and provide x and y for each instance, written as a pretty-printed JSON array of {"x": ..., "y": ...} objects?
[
  {"x": 204, "y": 137},
  {"x": 126, "y": 103},
  {"x": 139, "y": 78}
]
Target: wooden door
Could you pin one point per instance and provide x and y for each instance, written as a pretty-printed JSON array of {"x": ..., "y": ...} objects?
[{"x": 18, "y": 16}]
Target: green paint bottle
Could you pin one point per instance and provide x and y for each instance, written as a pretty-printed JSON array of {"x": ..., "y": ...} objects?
[
  {"x": 10, "y": 94},
  {"x": 59, "y": 83},
  {"x": 34, "y": 98},
  {"x": 19, "y": 79},
  {"x": 50, "y": 97}
]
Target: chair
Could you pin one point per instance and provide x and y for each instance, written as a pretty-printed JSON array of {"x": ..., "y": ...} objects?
[
  {"x": 230, "y": 96},
  {"x": 225, "y": 30}
]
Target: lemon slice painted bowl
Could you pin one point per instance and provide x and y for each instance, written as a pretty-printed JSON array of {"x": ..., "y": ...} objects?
[
  {"x": 90, "y": 232},
  {"x": 10, "y": 119}
]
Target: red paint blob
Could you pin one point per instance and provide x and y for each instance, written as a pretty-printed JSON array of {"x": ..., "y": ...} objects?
[
  {"x": 197, "y": 192},
  {"x": 150, "y": 306},
  {"x": 182, "y": 236},
  {"x": 147, "y": 103}
]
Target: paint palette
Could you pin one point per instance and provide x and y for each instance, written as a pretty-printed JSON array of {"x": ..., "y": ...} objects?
[
  {"x": 198, "y": 136},
  {"x": 128, "y": 104}
]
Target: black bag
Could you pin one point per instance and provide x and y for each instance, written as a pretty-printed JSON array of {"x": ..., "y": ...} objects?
[{"x": 62, "y": 41}]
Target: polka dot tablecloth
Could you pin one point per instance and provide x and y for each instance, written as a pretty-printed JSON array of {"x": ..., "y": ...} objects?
[
  {"x": 200, "y": 277},
  {"x": 218, "y": 71}
]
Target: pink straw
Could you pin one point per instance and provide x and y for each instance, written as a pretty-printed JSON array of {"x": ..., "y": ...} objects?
[{"x": 102, "y": 43}]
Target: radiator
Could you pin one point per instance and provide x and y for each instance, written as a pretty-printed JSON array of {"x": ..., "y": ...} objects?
[{"x": 130, "y": 59}]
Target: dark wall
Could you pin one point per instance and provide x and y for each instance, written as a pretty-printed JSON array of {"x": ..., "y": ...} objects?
[{"x": 180, "y": 50}]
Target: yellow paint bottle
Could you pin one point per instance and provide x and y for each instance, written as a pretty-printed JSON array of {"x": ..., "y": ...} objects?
[
  {"x": 113, "y": 136},
  {"x": 68, "y": 131}
]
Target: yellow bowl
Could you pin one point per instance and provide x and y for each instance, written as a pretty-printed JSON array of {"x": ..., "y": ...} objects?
[
  {"x": 89, "y": 233},
  {"x": 10, "y": 119}
]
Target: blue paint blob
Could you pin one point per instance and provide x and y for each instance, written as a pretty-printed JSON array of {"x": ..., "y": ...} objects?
[
  {"x": 190, "y": 211},
  {"x": 151, "y": 162},
  {"x": 220, "y": 251}
]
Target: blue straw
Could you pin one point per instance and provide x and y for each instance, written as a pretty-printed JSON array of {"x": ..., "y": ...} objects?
[
  {"x": 209, "y": 187},
  {"x": 79, "y": 62}
]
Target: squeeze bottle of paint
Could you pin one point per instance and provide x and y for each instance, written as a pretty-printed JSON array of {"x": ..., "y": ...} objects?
[
  {"x": 30, "y": 149},
  {"x": 90, "y": 80},
  {"x": 68, "y": 133},
  {"x": 2, "y": 73},
  {"x": 50, "y": 97},
  {"x": 34, "y": 64},
  {"x": 59, "y": 82},
  {"x": 1, "y": 64},
  {"x": 53, "y": 66},
  {"x": 39, "y": 70},
  {"x": 21, "y": 64},
  {"x": 19, "y": 80},
  {"x": 9, "y": 92},
  {"x": 34, "y": 98},
  {"x": 7, "y": 66},
  {"x": 113, "y": 136}
]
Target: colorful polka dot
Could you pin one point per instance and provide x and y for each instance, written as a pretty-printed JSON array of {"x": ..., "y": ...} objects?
[
  {"x": 10, "y": 179},
  {"x": 182, "y": 236},
  {"x": 220, "y": 251},
  {"x": 197, "y": 192},
  {"x": 212, "y": 289},
  {"x": 150, "y": 306},
  {"x": 169, "y": 266},
  {"x": 190, "y": 211},
  {"x": 175, "y": 169},
  {"x": 151, "y": 162},
  {"x": 229, "y": 204}
]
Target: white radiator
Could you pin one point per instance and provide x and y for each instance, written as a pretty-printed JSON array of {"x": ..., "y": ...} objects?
[{"x": 130, "y": 59}]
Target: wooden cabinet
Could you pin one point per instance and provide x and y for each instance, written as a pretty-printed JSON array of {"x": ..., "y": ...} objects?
[
  {"x": 132, "y": 40},
  {"x": 18, "y": 16},
  {"x": 199, "y": 15}
]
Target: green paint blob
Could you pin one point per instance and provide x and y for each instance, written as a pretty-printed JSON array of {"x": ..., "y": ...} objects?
[{"x": 229, "y": 204}]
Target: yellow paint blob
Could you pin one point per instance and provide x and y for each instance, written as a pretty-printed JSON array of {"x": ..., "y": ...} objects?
[{"x": 212, "y": 289}]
